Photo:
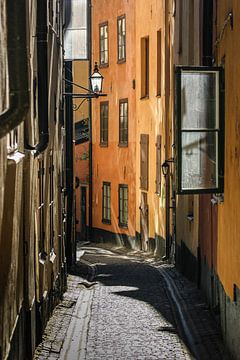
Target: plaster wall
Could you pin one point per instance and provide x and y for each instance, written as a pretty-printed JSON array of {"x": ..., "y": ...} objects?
[
  {"x": 228, "y": 247},
  {"x": 150, "y": 111}
]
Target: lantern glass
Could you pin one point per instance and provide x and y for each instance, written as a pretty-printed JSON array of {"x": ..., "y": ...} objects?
[
  {"x": 165, "y": 168},
  {"x": 96, "y": 80}
]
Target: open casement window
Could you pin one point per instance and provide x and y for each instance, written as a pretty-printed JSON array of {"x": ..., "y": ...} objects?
[
  {"x": 200, "y": 132},
  {"x": 76, "y": 30}
]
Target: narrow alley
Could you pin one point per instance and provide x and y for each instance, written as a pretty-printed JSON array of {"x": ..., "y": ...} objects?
[
  {"x": 129, "y": 306},
  {"x": 119, "y": 179}
]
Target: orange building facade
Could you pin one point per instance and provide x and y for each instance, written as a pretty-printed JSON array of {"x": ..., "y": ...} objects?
[
  {"x": 114, "y": 123},
  {"x": 81, "y": 119}
]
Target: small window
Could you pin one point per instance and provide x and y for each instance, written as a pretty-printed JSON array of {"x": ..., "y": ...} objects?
[
  {"x": 103, "y": 35},
  {"x": 144, "y": 67},
  {"x": 106, "y": 203},
  {"x": 159, "y": 62},
  {"x": 104, "y": 123},
  {"x": 41, "y": 216},
  {"x": 123, "y": 205},
  {"x": 51, "y": 200},
  {"x": 200, "y": 141},
  {"x": 121, "y": 28},
  {"x": 144, "y": 154},
  {"x": 123, "y": 122},
  {"x": 158, "y": 165}
]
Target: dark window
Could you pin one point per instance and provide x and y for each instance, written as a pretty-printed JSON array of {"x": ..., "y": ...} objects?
[
  {"x": 123, "y": 122},
  {"x": 123, "y": 205},
  {"x": 106, "y": 203},
  {"x": 41, "y": 233},
  {"x": 159, "y": 62},
  {"x": 104, "y": 123},
  {"x": 103, "y": 37},
  {"x": 121, "y": 28},
  {"x": 158, "y": 165},
  {"x": 200, "y": 141},
  {"x": 144, "y": 67},
  {"x": 144, "y": 141},
  {"x": 51, "y": 200}
]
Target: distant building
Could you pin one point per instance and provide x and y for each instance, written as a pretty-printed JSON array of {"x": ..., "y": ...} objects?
[
  {"x": 154, "y": 116},
  {"x": 114, "y": 123}
]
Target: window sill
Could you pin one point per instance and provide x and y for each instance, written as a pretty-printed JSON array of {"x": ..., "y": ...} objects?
[
  {"x": 144, "y": 97},
  {"x": 108, "y": 222},
  {"x": 123, "y": 145},
  {"x": 123, "y": 226},
  {"x": 103, "y": 145},
  {"x": 122, "y": 61},
  {"x": 102, "y": 66}
]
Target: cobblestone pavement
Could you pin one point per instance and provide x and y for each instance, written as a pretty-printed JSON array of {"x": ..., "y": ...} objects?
[{"x": 129, "y": 306}]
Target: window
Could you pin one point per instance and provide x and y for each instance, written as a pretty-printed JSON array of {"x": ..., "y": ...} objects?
[
  {"x": 104, "y": 123},
  {"x": 159, "y": 62},
  {"x": 41, "y": 216},
  {"x": 103, "y": 35},
  {"x": 158, "y": 165},
  {"x": 200, "y": 137},
  {"x": 144, "y": 141},
  {"x": 123, "y": 122},
  {"x": 123, "y": 205},
  {"x": 144, "y": 67},
  {"x": 121, "y": 28},
  {"x": 51, "y": 200},
  {"x": 106, "y": 203},
  {"x": 76, "y": 32}
]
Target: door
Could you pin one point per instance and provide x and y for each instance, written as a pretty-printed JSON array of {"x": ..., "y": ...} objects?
[
  {"x": 144, "y": 221},
  {"x": 83, "y": 206}
]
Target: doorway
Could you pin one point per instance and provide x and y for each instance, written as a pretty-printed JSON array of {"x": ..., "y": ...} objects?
[{"x": 144, "y": 222}]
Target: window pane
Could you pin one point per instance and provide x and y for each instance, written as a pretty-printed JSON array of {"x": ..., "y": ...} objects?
[
  {"x": 75, "y": 38},
  {"x": 199, "y": 160},
  {"x": 199, "y": 100}
]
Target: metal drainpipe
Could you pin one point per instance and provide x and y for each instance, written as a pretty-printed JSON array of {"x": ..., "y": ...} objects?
[
  {"x": 42, "y": 57},
  {"x": 17, "y": 67}
]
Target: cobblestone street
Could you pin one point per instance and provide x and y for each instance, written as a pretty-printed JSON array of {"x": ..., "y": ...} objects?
[{"x": 128, "y": 306}]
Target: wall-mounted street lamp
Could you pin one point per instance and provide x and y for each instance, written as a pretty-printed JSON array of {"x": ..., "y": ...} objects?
[
  {"x": 165, "y": 166},
  {"x": 96, "y": 81}
]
